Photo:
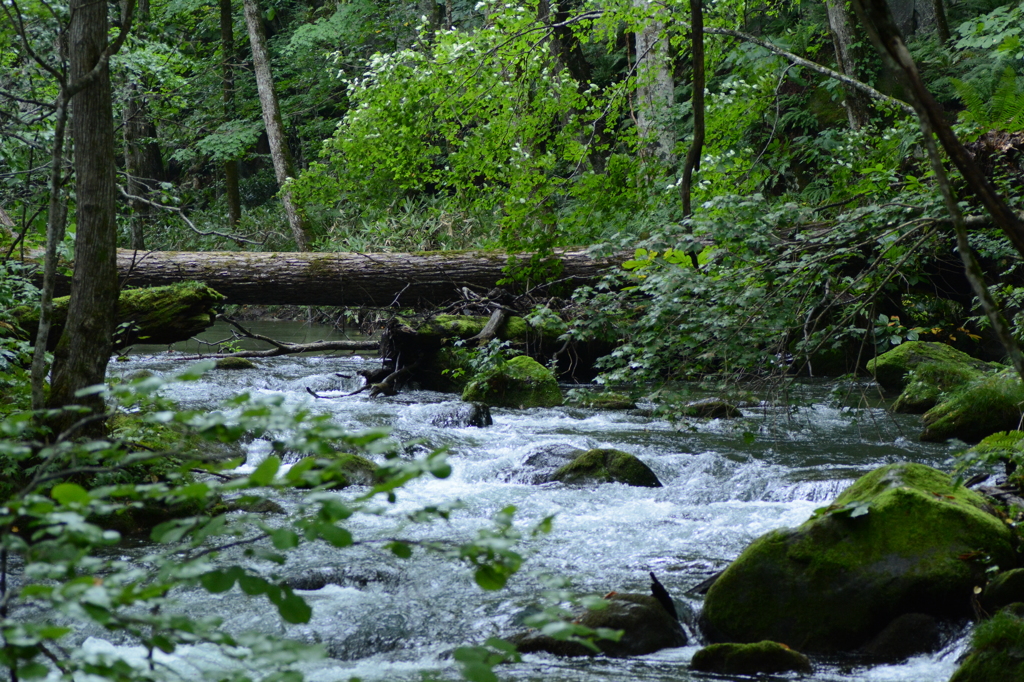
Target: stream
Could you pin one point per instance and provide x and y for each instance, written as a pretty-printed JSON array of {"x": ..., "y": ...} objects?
[{"x": 725, "y": 483}]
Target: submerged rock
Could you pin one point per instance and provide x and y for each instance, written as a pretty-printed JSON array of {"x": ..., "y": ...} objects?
[
  {"x": 461, "y": 415},
  {"x": 750, "y": 659},
  {"x": 522, "y": 382},
  {"x": 899, "y": 540},
  {"x": 997, "y": 649},
  {"x": 601, "y": 400},
  {"x": 606, "y": 466},
  {"x": 647, "y": 627},
  {"x": 977, "y": 410},
  {"x": 710, "y": 408},
  {"x": 891, "y": 368}
]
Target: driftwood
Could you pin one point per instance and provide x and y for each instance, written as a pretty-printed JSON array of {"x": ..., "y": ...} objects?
[{"x": 341, "y": 279}]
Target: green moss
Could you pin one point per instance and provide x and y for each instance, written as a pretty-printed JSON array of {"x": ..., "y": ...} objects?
[
  {"x": 905, "y": 555},
  {"x": 157, "y": 314},
  {"x": 521, "y": 382},
  {"x": 235, "y": 363},
  {"x": 997, "y": 650},
  {"x": 607, "y": 466},
  {"x": 977, "y": 410},
  {"x": 749, "y": 659},
  {"x": 927, "y": 384},
  {"x": 890, "y": 369},
  {"x": 601, "y": 400}
]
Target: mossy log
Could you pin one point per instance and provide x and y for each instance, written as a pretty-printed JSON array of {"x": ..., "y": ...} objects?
[
  {"x": 341, "y": 279},
  {"x": 157, "y": 315}
]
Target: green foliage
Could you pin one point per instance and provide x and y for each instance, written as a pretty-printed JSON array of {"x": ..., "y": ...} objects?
[
  {"x": 62, "y": 495},
  {"x": 1001, "y": 108}
]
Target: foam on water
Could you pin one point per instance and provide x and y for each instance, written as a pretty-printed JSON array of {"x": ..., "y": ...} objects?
[{"x": 384, "y": 619}]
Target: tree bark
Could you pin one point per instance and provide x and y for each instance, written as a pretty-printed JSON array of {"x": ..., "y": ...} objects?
[
  {"x": 842, "y": 39},
  {"x": 342, "y": 279},
  {"x": 227, "y": 48},
  {"x": 692, "y": 161},
  {"x": 81, "y": 356},
  {"x": 284, "y": 166},
  {"x": 655, "y": 92},
  {"x": 142, "y": 160}
]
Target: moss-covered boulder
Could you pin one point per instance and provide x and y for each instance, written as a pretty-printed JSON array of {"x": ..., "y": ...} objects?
[
  {"x": 520, "y": 382},
  {"x": 927, "y": 384},
  {"x": 891, "y": 368},
  {"x": 606, "y": 466},
  {"x": 902, "y": 539},
  {"x": 997, "y": 649},
  {"x": 646, "y": 627},
  {"x": 344, "y": 469},
  {"x": 601, "y": 400},
  {"x": 1004, "y": 589},
  {"x": 977, "y": 410},
  {"x": 158, "y": 315},
  {"x": 234, "y": 363},
  {"x": 710, "y": 408},
  {"x": 749, "y": 659}
]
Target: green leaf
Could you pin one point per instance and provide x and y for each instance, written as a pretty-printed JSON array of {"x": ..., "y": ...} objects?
[
  {"x": 293, "y": 608},
  {"x": 284, "y": 538},
  {"x": 68, "y": 493},
  {"x": 219, "y": 581},
  {"x": 252, "y": 585},
  {"x": 32, "y": 671},
  {"x": 265, "y": 472},
  {"x": 490, "y": 578},
  {"x": 400, "y": 549},
  {"x": 339, "y": 537}
]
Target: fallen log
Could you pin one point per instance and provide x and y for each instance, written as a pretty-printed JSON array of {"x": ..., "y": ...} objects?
[
  {"x": 159, "y": 315},
  {"x": 344, "y": 279}
]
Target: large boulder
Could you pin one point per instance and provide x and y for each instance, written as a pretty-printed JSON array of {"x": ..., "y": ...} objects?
[
  {"x": 927, "y": 384},
  {"x": 902, "y": 539},
  {"x": 521, "y": 382},
  {"x": 461, "y": 415},
  {"x": 977, "y": 410},
  {"x": 646, "y": 627},
  {"x": 891, "y": 368},
  {"x": 749, "y": 659},
  {"x": 997, "y": 649},
  {"x": 606, "y": 466}
]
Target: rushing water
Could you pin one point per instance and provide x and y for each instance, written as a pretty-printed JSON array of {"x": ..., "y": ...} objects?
[{"x": 725, "y": 483}]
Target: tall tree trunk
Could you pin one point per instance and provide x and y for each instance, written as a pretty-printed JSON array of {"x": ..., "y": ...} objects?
[
  {"x": 227, "y": 48},
  {"x": 941, "y": 25},
  {"x": 80, "y": 359},
  {"x": 692, "y": 161},
  {"x": 142, "y": 161},
  {"x": 284, "y": 166},
  {"x": 857, "y": 109},
  {"x": 655, "y": 92}
]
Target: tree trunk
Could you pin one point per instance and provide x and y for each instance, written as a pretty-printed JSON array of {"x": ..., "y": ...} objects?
[
  {"x": 941, "y": 25},
  {"x": 655, "y": 92},
  {"x": 80, "y": 359},
  {"x": 284, "y": 166},
  {"x": 692, "y": 161},
  {"x": 227, "y": 48},
  {"x": 342, "y": 279},
  {"x": 857, "y": 110}
]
